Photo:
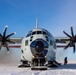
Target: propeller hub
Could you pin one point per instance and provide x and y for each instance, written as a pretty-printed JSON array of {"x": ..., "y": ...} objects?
[
  {"x": 72, "y": 39},
  {"x": 5, "y": 39}
]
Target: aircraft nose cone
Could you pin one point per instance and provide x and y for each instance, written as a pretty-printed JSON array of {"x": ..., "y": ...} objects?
[{"x": 39, "y": 46}]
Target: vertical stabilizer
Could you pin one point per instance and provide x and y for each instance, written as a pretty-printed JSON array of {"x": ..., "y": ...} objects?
[{"x": 36, "y": 23}]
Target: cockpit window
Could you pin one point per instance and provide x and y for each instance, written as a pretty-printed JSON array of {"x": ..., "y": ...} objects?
[
  {"x": 36, "y": 32},
  {"x": 39, "y": 32},
  {"x": 33, "y": 33},
  {"x": 29, "y": 34},
  {"x": 26, "y": 43},
  {"x": 44, "y": 33}
]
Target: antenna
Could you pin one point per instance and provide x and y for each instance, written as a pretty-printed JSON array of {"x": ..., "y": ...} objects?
[{"x": 36, "y": 23}]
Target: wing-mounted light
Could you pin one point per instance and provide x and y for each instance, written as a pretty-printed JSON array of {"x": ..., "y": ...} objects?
[
  {"x": 72, "y": 40},
  {"x": 5, "y": 39}
]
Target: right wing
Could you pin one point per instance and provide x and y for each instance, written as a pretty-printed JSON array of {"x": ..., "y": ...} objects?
[{"x": 16, "y": 40}]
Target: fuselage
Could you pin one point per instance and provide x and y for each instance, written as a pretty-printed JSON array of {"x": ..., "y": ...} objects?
[{"x": 38, "y": 41}]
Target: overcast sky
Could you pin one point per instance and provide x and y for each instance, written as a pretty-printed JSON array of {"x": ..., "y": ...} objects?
[{"x": 53, "y": 15}]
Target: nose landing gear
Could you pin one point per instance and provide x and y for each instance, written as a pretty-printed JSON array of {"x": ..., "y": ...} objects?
[{"x": 38, "y": 64}]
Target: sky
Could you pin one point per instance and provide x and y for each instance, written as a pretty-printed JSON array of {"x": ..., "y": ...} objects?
[{"x": 53, "y": 15}]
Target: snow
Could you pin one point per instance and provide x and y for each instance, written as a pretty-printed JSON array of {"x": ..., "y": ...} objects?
[
  {"x": 9, "y": 65},
  {"x": 69, "y": 69}
]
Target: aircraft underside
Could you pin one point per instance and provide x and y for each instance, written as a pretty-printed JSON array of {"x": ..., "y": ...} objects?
[{"x": 39, "y": 63}]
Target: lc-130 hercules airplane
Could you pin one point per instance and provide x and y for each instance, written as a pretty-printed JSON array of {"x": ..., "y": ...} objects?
[{"x": 38, "y": 47}]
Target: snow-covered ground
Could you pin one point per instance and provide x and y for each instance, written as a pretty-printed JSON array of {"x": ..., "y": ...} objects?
[
  {"x": 9, "y": 63},
  {"x": 11, "y": 69}
]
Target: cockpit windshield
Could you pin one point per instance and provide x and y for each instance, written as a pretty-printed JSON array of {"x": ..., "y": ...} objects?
[
  {"x": 39, "y": 32},
  {"x": 33, "y": 33},
  {"x": 44, "y": 32},
  {"x": 29, "y": 34},
  {"x": 36, "y": 32}
]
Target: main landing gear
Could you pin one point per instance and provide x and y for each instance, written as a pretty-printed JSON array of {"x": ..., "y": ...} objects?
[
  {"x": 24, "y": 64},
  {"x": 53, "y": 63}
]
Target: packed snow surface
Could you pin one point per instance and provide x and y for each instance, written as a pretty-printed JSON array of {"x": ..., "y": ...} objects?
[
  {"x": 69, "y": 69},
  {"x": 9, "y": 65}
]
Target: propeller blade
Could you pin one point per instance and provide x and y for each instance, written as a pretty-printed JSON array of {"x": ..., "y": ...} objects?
[
  {"x": 7, "y": 47},
  {"x": 75, "y": 38},
  {"x": 66, "y": 34},
  {"x": 74, "y": 48},
  {"x": 4, "y": 33},
  {"x": 72, "y": 32},
  {"x": 5, "y": 39},
  {"x": 67, "y": 45},
  {"x": 0, "y": 46},
  {"x": 10, "y": 35},
  {"x": 72, "y": 39},
  {"x": 0, "y": 35}
]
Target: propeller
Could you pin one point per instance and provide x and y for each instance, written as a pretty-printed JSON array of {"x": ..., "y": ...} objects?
[
  {"x": 5, "y": 39},
  {"x": 72, "y": 39}
]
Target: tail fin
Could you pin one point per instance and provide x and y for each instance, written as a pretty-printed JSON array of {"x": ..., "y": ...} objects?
[{"x": 36, "y": 23}]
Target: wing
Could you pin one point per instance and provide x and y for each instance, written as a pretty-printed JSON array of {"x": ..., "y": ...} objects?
[
  {"x": 61, "y": 39},
  {"x": 16, "y": 40},
  {"x": 17, "y": 43}
]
